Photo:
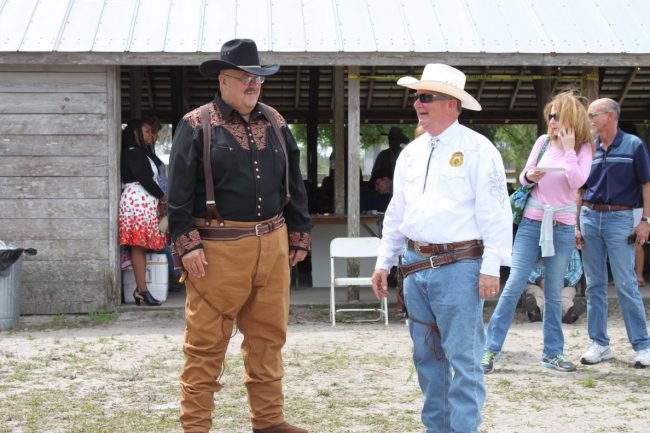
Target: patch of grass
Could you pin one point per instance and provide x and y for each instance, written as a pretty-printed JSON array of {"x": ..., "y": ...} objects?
[
  {"x": 101, "y": 318},
  {"x": 588, "y": 381}
]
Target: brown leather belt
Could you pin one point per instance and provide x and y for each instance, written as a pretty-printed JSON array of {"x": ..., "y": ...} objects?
[
  {"x": 425, "y": 249},
  {"x": 235, "y": 233},
  {"x": 599, "y": 207},
  {"x": 436, "y": 261}
]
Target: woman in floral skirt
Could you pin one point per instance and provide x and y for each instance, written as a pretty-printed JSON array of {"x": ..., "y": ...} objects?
[{"x": 140, "y": 203}]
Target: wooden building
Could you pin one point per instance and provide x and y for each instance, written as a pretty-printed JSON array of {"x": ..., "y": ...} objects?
[{"x": 72, "y": 71}]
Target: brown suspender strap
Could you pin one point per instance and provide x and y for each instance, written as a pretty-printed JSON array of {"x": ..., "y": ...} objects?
[
  {"x": 278, "y": 134},
  {"x": 211, "y": 206}
]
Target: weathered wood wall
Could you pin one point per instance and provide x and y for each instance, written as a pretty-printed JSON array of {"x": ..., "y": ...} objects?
[{"x": 58, "y": 183}]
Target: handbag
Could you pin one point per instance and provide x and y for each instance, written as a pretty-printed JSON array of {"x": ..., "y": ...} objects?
[{"x": 519, "y": 198}]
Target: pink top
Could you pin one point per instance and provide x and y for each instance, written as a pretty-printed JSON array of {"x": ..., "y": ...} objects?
[{"x": 558, "y": 189}]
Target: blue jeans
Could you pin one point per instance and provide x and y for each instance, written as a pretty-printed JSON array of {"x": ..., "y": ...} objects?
[
  {"x": 447, "y": 297},
  {"x": 605, "y": 235},
  {"x": 525, "y": 253}
]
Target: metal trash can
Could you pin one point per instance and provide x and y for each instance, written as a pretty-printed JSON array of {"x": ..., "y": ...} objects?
[
  {"x": 11, "y": 264},
  {"x": 10, "y": 295}
]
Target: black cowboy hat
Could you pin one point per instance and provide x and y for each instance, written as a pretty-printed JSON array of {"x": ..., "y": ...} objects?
[
  {"x": 396, "y": 134},
  {"x": 238, "y": 54}
]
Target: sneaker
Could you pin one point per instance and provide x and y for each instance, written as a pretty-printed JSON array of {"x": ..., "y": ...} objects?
[
  {"x": 559, "y": 363},
  {"x": 532, "y": 310},
  {"x": 596, "y": 354},
  {"x": 488, "y": 360},
  {"x": 642, "y": 359}
]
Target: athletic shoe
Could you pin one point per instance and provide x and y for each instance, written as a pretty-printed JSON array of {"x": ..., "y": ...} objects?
[
  {"x": 642, "y": 359},
  {"x": 559, "y": 363},
  {"x": 489, "y": 358},
  {"x": 596, "y": 353}
]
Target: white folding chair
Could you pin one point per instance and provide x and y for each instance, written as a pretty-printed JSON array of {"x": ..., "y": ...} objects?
[{"x": 353, "y": 248}]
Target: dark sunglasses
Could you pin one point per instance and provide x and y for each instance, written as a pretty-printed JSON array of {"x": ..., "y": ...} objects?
[
  {"x": 553, "y": 117},
  {"x": 427, "y": 98}
]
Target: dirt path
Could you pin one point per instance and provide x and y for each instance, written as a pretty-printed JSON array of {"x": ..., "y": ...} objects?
[{"x": 120, "y": 374}]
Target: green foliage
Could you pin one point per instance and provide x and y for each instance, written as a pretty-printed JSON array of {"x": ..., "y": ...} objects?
[{"x": 515, "y": 142}]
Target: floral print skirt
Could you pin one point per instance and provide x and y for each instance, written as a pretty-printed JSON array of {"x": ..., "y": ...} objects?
[{"x": 138, "y": 219}]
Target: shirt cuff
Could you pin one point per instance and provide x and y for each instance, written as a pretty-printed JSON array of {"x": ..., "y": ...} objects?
[
  {"x": 491, "y": 266},
  {"x": 300, "y": 241},
  {"x": 385, "y": 263},
  {"x": 187, "y": 242}
]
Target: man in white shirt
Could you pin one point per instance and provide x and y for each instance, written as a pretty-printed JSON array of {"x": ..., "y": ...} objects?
[{"x": 450, "y": 217}]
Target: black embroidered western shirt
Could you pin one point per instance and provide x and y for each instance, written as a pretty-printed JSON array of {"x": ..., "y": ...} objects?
[{"x": 248, "y": 170}]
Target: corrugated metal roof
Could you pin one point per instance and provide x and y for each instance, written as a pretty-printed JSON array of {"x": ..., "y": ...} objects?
[{"x": 327, "y": 26}]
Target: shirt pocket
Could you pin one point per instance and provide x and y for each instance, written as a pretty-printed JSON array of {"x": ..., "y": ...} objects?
[
  {"x": 453, "y": 183},
  {"x": 413, "y": 182}
]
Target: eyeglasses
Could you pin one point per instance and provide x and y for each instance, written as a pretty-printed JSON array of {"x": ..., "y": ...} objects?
[
  {"x": 427, "y": 98},
  {"x": 246, "y": 80},
  {"x": 592, "y": 115},
  {"x": 553, "y": 117}
]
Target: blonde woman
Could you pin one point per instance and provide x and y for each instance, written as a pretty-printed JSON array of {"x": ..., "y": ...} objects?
[{"x": 547, "y": 228}]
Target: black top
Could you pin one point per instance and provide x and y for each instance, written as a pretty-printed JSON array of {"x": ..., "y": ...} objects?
[
  {"x": 247, "y": 168},
  {"x": 135, "y": 167}
]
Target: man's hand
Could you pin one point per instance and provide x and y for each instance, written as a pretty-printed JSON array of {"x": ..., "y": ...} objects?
[
  {"x": 580, "y": 241},
  {"x": 297, "y": 256},
  {"x": 488, "y": 286},
  {"x": 642, "y": 230},
  {"x": 380, "y": 283},
  {"x": 194, "y": 262}
]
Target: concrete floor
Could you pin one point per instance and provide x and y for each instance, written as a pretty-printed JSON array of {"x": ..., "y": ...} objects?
[{"x": 319, "y": 297}]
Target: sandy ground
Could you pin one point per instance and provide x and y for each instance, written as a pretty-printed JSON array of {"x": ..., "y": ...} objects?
[{"x": 120, "y": 374}]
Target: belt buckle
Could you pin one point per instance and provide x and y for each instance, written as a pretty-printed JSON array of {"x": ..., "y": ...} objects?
[
  {"x": 258, "y": 227},
  {"x": 417, "y": 246},
  {"x": 434, "y": 266}
]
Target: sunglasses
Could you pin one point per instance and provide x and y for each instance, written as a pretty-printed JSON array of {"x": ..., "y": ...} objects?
[
  {"x": 553, "y": 117},
  {"x": 246, "y": 80},
  {"x": 427, "y": 98}
]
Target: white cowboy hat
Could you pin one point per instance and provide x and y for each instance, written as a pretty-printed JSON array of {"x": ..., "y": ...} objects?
[{"x": 444, "y": 79}]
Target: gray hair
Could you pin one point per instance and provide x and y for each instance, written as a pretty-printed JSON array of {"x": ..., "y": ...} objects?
[{"x": 614, "y": 107}]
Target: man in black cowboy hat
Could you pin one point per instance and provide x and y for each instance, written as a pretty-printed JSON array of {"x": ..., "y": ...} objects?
[
  {"x": 237, "y": 247},
  {"x": 387, "y": 158}
]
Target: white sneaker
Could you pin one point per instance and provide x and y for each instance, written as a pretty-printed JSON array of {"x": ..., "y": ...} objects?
[
  {"x": 642, "y": 359},
  {"x": 598, "y": 353}
]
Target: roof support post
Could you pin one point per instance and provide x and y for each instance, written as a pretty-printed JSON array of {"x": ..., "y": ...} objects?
[
  {"x": 354, "y": 150},
  {"x": 543, "y": 93},
  {"x": 312, "y": 132},
  {"x": 339, "y": 140}
]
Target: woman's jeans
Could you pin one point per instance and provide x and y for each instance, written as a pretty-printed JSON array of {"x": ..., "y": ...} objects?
[
  {"x": 525, "y": 254},
  {"x": 605, "y": 235},
  {"x": 447, "y": 297}
]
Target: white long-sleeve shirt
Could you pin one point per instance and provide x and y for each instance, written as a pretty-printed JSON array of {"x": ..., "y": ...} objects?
[{"x": 465, "y": 197}]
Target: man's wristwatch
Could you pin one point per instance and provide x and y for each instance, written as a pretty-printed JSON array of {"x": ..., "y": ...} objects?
[{"x": 644, "y": 218}]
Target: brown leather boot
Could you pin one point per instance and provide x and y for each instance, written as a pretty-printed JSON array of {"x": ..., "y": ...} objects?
[{"x": 285, "y": 427}]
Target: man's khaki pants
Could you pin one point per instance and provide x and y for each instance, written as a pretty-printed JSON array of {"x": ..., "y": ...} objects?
[{"x": 246, "y": 280}]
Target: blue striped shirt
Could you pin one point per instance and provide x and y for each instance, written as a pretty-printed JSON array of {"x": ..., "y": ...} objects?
[{"x": 618, "y": 174}]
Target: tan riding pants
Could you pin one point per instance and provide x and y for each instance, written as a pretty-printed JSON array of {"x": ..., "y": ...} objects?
[{"x": 246, "y": 281}]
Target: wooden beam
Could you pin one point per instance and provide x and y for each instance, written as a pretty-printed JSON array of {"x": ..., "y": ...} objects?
[
  {"x": 135, "y": 92},
  {"x": 371, "y": 88},
  {"x": 590, "y": 83},
  {"x": 481, "y": 86},
  {"x": 354, "y": 151},
  {"x": 296, "y": 101},
  {"x": 515, "y": 91},
  {"x": 628, "y": 84},
  {"x": 312, "y": 127},
  {"x": 543, "y": 93},
  {"x": 339, "y": 140}
]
